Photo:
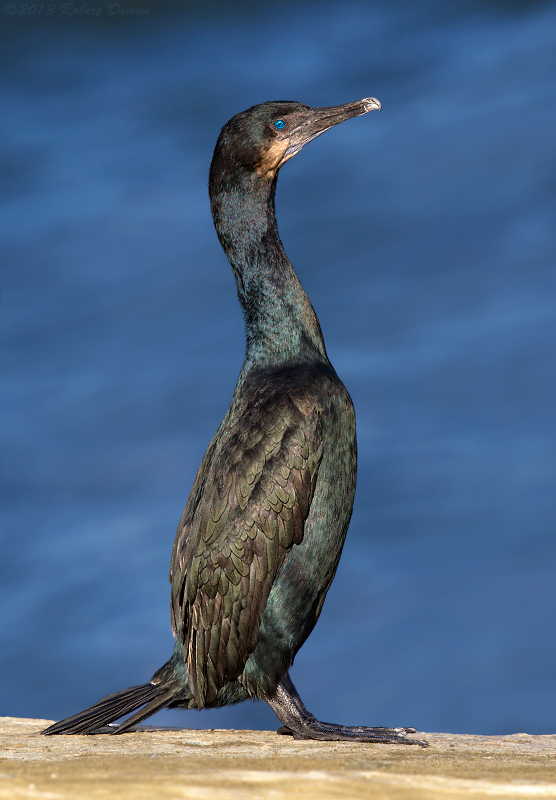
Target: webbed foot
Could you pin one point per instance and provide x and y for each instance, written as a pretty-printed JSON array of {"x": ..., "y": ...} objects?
[{"x": 301, "y": 724}]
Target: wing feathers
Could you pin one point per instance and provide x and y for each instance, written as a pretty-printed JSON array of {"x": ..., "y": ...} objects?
[{"x": 252, "y": 499}]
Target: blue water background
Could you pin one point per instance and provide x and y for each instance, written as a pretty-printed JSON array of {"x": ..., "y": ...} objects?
[{"x": 425, "y": 237}]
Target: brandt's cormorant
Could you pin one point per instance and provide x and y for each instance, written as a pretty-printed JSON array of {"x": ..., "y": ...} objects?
[{"x": 262, "y": 532}]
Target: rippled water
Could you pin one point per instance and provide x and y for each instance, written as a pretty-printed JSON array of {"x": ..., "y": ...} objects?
[{"x": 425, "y": 238}]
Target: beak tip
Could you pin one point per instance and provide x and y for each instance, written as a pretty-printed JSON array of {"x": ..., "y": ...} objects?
[{"x": 371, "y": 104}]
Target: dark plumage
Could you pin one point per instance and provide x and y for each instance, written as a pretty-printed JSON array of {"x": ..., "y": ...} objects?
[{"x": 262, "y": 532}]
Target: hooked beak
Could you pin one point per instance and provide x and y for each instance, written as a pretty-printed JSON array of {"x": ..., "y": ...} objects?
[{"x": 319, "y": 120}]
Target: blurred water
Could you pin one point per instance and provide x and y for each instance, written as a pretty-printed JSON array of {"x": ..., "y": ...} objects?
[{"x": 425, "y": 239}]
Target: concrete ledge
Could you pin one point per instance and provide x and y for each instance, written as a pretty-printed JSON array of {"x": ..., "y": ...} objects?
[{"x": 221, "y": 765}]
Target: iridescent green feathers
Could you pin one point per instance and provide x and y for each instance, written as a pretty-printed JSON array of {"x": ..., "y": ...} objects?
[{"x": 248, "y": 507}]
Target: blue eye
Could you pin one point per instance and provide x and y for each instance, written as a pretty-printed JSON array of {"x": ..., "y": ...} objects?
[{"x": 279, "y": 124}]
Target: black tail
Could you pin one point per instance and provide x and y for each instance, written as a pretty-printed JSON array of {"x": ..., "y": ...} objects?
[{"x": 150, "y": 695}]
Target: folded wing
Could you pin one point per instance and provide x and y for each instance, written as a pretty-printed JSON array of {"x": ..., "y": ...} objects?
[{"x": 248, "y": 507}]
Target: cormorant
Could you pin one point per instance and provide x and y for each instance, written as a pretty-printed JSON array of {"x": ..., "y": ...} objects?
[{"x": 262, "y": 532}]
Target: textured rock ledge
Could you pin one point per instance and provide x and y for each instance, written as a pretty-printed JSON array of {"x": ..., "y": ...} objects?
[{"x": 221, "y": 765}]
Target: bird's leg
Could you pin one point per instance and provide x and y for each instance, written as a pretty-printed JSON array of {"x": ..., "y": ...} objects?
[{"x": 301, "y": 724}]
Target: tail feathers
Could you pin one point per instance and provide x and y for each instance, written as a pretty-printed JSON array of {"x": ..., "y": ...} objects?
[
  {"x": 155, "y": 705},
  {"x": 110, "y": 708}
]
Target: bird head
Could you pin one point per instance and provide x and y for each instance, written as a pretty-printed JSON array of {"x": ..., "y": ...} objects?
[{"x": 261, "y": 139}]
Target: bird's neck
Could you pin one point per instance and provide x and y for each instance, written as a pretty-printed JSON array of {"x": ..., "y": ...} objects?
[{"x": 280, "y": 322}]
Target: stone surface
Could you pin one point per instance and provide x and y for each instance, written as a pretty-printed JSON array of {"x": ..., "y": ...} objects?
[{"x": 221, "y": 765}]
